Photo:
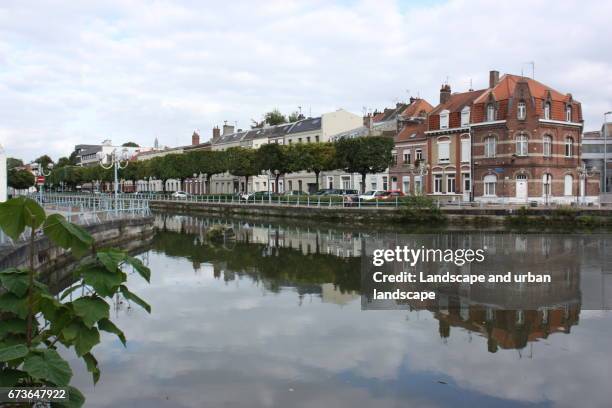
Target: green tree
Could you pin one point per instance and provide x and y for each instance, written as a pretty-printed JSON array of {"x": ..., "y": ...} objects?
[
  {"x": 63, "y": 161},
  {"x": 312, "y": 157},
  {"x": 208, "y": 163},
  {"x": 364, "y": 155},
  {"x": 130, "y": 144},
  {"x": 295, "y": 116},
  {"x": 274, "y": 117},
  {"x": 35, "y": 322},
  {"x": 12, "y": 162},
  {"x": 20, "y": 179},
  {"x": 242, "y": 162},
  {"x": 273, "y": 158},
  {"x": 44, "y": 161}
]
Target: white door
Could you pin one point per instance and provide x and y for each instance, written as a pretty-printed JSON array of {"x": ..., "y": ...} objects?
[{"x": 521, "y": 187}]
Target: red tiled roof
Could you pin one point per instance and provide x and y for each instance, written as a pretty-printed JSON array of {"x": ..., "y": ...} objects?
[
  {"x": 458, "y": 101},
  {"x": 417, "y": 106},
  {"x": 412, "y": 128},
  {"x": 505, "y": 89}
]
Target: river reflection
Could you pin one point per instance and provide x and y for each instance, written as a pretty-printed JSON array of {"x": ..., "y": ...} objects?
[{"x": 273, "y": 318}]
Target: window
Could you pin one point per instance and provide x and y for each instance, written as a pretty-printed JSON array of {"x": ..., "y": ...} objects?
[
  {"x": 443, "y": 151},
  {"x": 418, "y": 185},
  {"x": 394, "y": 159},
  {"x": 547, "y": 146},
  {"x": 547, "y": 110},
  {"x": 569, "y": 147},
  {"x": 444, "y": 119},
  {"x": 521, "y": 112},
  {"x": 490, "y": 112},
  {"x": 419, "y": 155},
  {"x": 450, "y": 183},
  {"x": 308, "y": 139},
  {"x": 290, "y": 141},
  {"x": 317, "y": 138},
  {"x": 374, "y": 185},
  {"x": 465, "y": 116},
  {"x": 407, "y": 156},
  {"x": 490, "y": 146},
  {"x": 330, "y": 182},
  {"x": 522, "y": 147},
  {"x": 346, "y": 182},
  {"x": 299, "y": 140},
  {"x": 489, "y": 185},
  {"x": 569, "y": 182},
  {"x": 406, "y": 184},
  {"x": 465, "y": 150},
  {"x": 546, "y": 184},
  {"x": 385, "y": 183},
  {"x": 568, "y": 113},
  {"x": 438, "y": 183},
  {"x": 467, "y": 185}
]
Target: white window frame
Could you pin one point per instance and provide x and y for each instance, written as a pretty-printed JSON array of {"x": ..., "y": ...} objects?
[
  {"x": 491, "y": 112},
  {"x": 522, "y": 145},
  {"x": 466, "y": 150},
  {"x": 406, "y": 184},
  {"x": 547, "y": 109},
  {"x": 407, "y": 156},
  {"x": 568, "y": 185},
  {"x": 418, "y": 155},
  {"x": 490, "y": 183},
  {"x": 444, "y": 119},
  {"x": 443, "y": 147},
  {"x": 568, "y": 113},
  {"x": 437, "y": 183},
  {"x": 521, "y": 110},
  {"x": 465, "y": 116},
  {"x": 569, "y": 146},
  {"x": 546, "y": 185},
  {"x": 547, "y": 146},
  {"x": 490, "y": 146},
  {"x": 451, "y": 184}
]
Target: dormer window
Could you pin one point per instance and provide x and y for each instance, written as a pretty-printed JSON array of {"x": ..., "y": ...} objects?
[
  {"x": 465, "y": 116},
  {"x": 490, "y": 112},
  {"x": 444, "y": 119},
  {"x": 547, "y": 111},
  {"x": 521, "y": 110},
  {"x": 568, "y": 113}
]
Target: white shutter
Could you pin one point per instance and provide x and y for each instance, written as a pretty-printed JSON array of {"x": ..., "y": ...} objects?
[
  {"x": 443, "y": 151},
  {"x": 465, "y": 150}
]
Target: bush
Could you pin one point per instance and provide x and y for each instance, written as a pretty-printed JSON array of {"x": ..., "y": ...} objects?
[{"x": 420, "y": 209}]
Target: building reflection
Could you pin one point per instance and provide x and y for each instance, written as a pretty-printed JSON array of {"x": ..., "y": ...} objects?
[{"x": 326, "y": 263}]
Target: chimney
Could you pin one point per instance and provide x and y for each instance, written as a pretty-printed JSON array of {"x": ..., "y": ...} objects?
[
  {"x": 227, "y": 129},
  {"x": 367, "y": 121},
  {"x": 216, "y": 134},
  {"x": 493, "y": 78},
  {"x": 412, "y": 99},
  {"x": 195, "y": 138},
  {"x": 445, "y": 93}
]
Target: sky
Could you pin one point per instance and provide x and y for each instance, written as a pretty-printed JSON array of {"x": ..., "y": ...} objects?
[{"x": 132, "y": 70}]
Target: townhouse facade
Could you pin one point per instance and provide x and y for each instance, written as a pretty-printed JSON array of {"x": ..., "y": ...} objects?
[
  {"x": 596, "y": 150},
  {"x": 526, "y": 141}
]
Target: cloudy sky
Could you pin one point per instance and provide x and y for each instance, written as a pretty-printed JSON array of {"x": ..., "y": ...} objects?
[{"x": 80, "y": 72}]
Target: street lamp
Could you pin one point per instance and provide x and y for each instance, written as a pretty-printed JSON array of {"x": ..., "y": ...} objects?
[
  {"x": 421, "y": 169},
  {"x": 605, "y": 166},
  {"x": 40, "y": 171},
  {"x": 584, "y": 173},
  {"x": 116, "y": 160}
]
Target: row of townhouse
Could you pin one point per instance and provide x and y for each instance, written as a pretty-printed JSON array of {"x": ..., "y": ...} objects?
[{"x": 516, "y": 141}]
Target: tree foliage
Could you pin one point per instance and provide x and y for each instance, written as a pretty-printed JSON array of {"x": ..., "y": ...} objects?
[
  {"x": 12, "y": 162},
  {"x": 275, "y": 159},
  {"x": 35, "y": 322},
  {"x": 20, "y": 179},
  {"x": 242, "y": 162},
  {"x": 364, "y": 155}
]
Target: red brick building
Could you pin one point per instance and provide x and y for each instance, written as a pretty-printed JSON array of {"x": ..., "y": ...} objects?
[
  {"x": 449, "y": 145},
  {"x": 526, "y": 144}
]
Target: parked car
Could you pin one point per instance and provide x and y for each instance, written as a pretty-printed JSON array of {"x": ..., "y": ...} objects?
[
  {"x": 294, "y": 193},
  {"x": 391, "y": 194},
  {"x": 180, "y": 194},
  {"x": 261, "y": 195},
  {"x": 372, "y": 195}
]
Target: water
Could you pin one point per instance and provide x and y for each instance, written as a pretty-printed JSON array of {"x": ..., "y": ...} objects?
[{"x": 274, "y": 319}]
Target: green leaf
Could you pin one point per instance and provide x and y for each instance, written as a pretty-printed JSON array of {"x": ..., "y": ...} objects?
[
  {"x": 104, "y": 282},
  {"x": 13, "y": 352},
  {"x": 131, "y": 296},
  {"x": 111, "y": 258},
  {"x": 109, "y": 326},
  {"x": 83, "y": 337},
  {"x": 18, "y": 213},
  {"x": 75, "y": 399},
  {"x": 140, "y": 267},
  {"x": 17, "y": 283},
  {"x": 48, "y": 365},
  {"x": 49, "y": 306},
  {"x": 9, "y": 302},
  {"x": 91, "y": 309},
  {"x": 10, "y": 377},
  {"x": 67, "y": 235},
  {"x": 92, "y": 366},
  {"x": 70, "y": 290},
  {"x": 12, "y": 326}
]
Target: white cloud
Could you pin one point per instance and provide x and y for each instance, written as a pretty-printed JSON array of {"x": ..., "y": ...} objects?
[{"x": 75, "y": 72}]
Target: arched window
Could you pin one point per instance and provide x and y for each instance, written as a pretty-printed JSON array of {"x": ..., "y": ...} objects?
[
  {"x": 547, "y": 110},
  {"x": 522, "y": 145},
  {"x": 490, "y": 112},
  {"x": 568, "y": 113},
  {"x": 546, "y": 184},
  {"x": 444, "y": 119},
  {"x": 547, "y": 146},
  {"x": 465, "y": 116},
  {"x": 569, "y": 147},
  {"x": 490, "y": 181},
  {"x": 490, "y": 146},
  {"x": 569, "y": 182},
  {"x": 521, "y": 110}
]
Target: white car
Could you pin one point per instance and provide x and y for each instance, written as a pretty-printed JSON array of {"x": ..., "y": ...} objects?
[
  {"x": 371, "y": 195},
  {"x": 179, "y": 194}
]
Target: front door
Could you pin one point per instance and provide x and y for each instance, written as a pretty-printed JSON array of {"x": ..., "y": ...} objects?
[{"x": 521, "y": 187}]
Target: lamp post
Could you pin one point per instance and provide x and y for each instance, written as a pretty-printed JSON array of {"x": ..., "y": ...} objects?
[
  {"x": 115, "y": 160},
  {"x": 421, "y": 170},
  {"x": 40, "y": 171},
  {"x": 583, "y": 172},
  {"x": 605, "y": 165}
]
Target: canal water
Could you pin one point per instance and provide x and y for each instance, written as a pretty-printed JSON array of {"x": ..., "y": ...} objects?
[{"x": 274, "y": 318}]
